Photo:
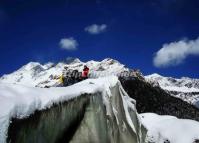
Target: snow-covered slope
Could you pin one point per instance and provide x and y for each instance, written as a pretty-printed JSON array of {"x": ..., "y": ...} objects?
[
  {"x": 36, "y": 74},
  {"x": 169, "y": 129},
  {"x": 185, "y": 88}
]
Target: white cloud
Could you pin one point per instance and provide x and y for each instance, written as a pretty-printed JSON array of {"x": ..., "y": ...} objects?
[
  {"x": 96, "y": 29},
  {"x": 175, "y": 53},
  {"x": 68, "y": 43}
]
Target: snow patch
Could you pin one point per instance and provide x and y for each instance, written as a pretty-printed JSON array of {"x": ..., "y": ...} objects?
[{"x": 169, "y": 128}]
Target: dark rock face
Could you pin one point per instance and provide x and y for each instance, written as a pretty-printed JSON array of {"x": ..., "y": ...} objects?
[{"x": 156, "y": 100}]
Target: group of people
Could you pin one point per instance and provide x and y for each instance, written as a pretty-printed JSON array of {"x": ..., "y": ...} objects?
[{"x": 69, "y": 77}]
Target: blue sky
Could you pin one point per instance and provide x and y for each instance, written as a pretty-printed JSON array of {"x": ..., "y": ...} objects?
[{"x": 131, "y": 31}]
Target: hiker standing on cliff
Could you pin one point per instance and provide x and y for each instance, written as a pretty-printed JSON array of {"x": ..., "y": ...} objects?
[{"x": 85, "y": 72}]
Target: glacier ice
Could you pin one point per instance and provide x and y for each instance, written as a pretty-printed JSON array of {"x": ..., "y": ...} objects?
[{"x": 94, "y": 110}]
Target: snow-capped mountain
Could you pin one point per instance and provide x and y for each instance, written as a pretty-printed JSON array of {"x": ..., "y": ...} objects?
[
  {"x": 185, "y": 88},
  {"x": 36, "y": 74}
]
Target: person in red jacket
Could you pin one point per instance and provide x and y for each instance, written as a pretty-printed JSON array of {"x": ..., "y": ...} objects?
[{"x": 85, "y": 72}]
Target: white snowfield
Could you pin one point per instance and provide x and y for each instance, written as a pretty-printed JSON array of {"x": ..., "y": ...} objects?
[
  {"x": 168, "y": 128},
  {"x": 35, "y": 74},
  {"x": 20, "y": 101}
]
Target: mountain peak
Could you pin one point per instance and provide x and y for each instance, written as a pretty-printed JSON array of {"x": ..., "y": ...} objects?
[
  {"x": 71, "y": 60},
  {"x": 31, "y": 65},
  {"x": 109, "y": 60}
]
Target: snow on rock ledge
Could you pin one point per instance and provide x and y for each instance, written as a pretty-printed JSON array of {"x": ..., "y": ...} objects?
[{"x": 20, "y": 102}]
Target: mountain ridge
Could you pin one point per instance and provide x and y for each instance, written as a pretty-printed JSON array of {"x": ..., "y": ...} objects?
[{"x": 36, "y": 74}]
